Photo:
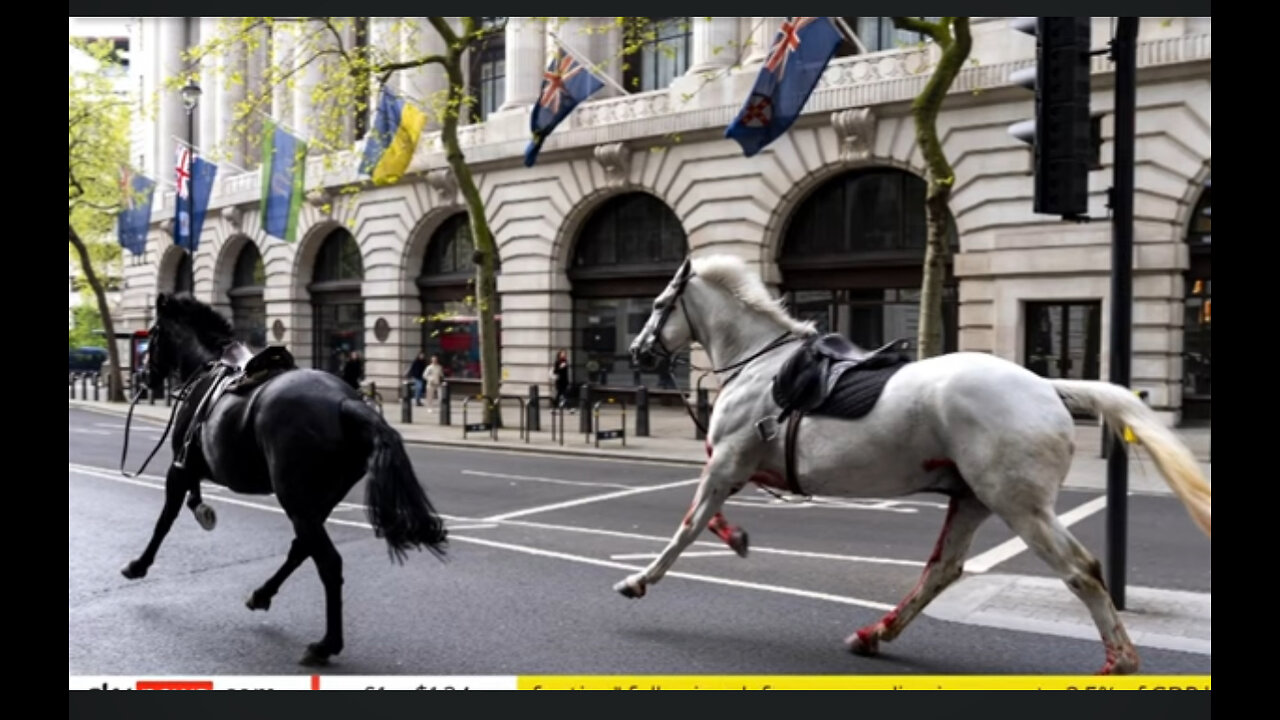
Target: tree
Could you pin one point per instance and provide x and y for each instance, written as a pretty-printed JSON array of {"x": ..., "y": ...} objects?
[
  {"x": 951, "y": 34},
  {"x": 348, "y": 64},
  {"x": 97, "y": 149}
]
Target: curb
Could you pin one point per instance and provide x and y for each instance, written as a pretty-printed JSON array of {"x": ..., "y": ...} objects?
[{"x": 556, "y": 451}]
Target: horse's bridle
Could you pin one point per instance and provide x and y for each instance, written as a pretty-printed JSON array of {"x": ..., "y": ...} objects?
[
  {"x": 142, "y": 379},
  {"x": 683, "y": 276}
]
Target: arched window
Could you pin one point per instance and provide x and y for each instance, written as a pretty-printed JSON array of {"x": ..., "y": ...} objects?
[
  {"x": 625, "y": 255},
  {"x": 184, "y": 280},
  {"x": 852, "y": 258},
  {"x": 337, "y": 305},
  {"x": 248, "y": 309},
  {"x": 1197, "y": 329},
  {"x": 446, "y": 285}
]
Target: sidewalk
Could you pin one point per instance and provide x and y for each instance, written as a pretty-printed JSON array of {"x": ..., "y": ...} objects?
[{"x": 672, "y": 440}]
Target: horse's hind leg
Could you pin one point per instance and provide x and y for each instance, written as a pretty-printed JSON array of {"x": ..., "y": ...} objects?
[
  {"x": 1050, "y": 539},
  {"x": 260, "y": 599},
  {"x": 176, "y": 485},
  {"x": 964, "y": 515},
  {"x": 204, "y": 513},
  {"x": 329, "y": 565}
]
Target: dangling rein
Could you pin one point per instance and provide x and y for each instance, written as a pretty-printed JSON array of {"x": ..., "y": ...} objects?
[{"x": 181, "y": 395}]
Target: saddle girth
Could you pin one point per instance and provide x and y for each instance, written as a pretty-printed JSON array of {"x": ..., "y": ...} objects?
[{"x": 792, "y": 474}]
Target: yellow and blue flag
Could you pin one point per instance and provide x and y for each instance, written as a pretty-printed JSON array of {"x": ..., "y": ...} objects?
[
  {"x": 799, "y": 54},
  {"x": 390, "y": 145}
]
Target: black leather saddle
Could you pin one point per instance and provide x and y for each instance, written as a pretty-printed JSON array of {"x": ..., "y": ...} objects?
[
  {"x": 822, "y": 371},
  {"x": 262, "y": 367}
]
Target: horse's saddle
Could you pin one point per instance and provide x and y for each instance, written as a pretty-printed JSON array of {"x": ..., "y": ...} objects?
[
  {"x": 826, "y": 376},
  {"x": 261, "y": 367}
]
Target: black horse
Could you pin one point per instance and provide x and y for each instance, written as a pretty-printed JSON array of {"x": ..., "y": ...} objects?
[{"x": 304, "y": 435}]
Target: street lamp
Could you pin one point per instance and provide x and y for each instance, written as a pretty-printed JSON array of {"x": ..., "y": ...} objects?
[{"x": 190, "y": 99}]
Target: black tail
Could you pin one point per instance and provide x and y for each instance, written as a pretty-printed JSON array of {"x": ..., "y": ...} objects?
[{"x": 397, "y": 506}]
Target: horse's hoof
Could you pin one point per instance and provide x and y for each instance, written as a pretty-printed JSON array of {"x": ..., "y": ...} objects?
[
  {"x": 864, "y": 644},
  {"x": 1123, "y": 663},
  {"x": 629, "y": 590},
  {"x": 316, "y": 656},
  {"x": 205, "y": 515},
  {"x": 134, "y": 570},
  {"x": 738, "y": 542},
  {"x": 258, "y": 601}
]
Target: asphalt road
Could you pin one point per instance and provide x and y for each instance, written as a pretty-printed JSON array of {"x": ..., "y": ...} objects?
[{"x": 536, "y": 544}]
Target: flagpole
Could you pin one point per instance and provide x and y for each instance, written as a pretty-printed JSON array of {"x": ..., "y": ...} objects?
[
  {"x": 276, "y": 122},
  {"x": 201, "y": 152},
  {"x": 587, "y": 63},
  {"x": 850, "y": 34}
]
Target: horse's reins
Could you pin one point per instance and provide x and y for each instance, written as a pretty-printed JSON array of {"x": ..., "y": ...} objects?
[{"x": 181, "y": 396}]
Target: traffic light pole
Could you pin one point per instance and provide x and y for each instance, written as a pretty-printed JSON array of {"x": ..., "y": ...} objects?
[{"x": 1124, "y": 55}]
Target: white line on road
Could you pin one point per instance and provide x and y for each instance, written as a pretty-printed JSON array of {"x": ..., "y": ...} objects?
[
  {"x": 87, "y": 431},
  {"x": 710, "y": 543},
  {"x": 1009, "y": 548},
  {"x": 777, "y": 589},
  {"x": 139, "y": 427},
  {"x": 592, "y": 499},
  {"x": 553, "y": 481},
  {"x": 685, "y": 554}
]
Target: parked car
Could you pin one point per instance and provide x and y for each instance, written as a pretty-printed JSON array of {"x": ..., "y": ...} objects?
[{"x": 86, "y": 359}]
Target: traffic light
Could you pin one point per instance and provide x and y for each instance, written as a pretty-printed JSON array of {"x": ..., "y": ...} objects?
[{"x": 1062, "y": 133}]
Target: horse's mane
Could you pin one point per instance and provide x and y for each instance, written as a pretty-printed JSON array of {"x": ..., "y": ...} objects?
[
  {"x": 732, "y": 274},
  {"x": 206, "y": 324}
]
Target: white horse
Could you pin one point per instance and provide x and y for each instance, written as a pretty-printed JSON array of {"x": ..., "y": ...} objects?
[{"x": 987, "y": 432}]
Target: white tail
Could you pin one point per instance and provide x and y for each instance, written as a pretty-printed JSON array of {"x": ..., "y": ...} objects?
[{"x": 1120, "y": 408}]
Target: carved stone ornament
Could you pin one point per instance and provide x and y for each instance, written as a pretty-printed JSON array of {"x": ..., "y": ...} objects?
[
  {"x": 233, "y": 215},
  {"x": 445, "y": 185},
  {"x": 382, "y": 330},
  {"x": 277, "y": 330},
  {"x": 615, "y": 158},
  {"x": 857, "y": 132},
  {"x": 321, "y": 198}
]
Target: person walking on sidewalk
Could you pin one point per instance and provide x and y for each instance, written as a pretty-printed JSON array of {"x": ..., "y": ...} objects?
[
  {"x": 434, "y": 375},
  {"x": 353, "y": 370},
  {"x": 560, "y": 376},
  {"x": 415, "y": 373}
]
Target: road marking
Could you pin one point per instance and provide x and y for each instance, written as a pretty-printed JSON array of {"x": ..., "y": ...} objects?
[
  {"x": 685, "y": 554},
  {"x": 87, "y": 431},
  {"x": 895, "y": 506},
  {"x": 776, "y": 589},
  {"x": 711, "y": 543},
  {"x": 592, "y": 499},
  {"x": 478, "y": 524},
  {"x": 139, "y": 428},
  {"x": 1009, "y": 548},
  {"x": 553, "y": 481}
]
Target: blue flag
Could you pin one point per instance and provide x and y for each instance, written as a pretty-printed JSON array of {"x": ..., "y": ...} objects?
[
  {"x": 565, "y": 83},
  {"x": 135, "y": 216},
  {"x": 799, "y": 55},
  {"x": 284, "y": 166},
  {"x": 195, "y": 180}
]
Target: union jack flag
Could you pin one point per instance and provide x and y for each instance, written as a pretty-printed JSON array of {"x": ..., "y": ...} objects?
[{"x": 183, "y": 170}]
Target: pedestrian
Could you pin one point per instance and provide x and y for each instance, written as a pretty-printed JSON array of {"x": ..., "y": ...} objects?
[
  {"x": 434, "y": 376},
  {"x": 560, "y": 377},
  {"x": 415, "y": 373},
  {"x": 353, "y": 370}
]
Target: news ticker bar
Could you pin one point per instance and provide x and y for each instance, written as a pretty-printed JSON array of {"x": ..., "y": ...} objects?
[{"x": 645, "y": 682}]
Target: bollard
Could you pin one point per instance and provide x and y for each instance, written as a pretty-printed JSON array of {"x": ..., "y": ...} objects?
[
  {"x": 584, "y": 409},
  {"x": 445, "y": 417},
  {"x": 535, "y": 412},
  {"x": 97, "y": 379},
  {"x": 84, "y": 386},
  {"x": 71, "y": 386},
  {"x": 704, "y": 413},
  {"x": 642, "y": 411},
  {"x": 406, "y": 403}
]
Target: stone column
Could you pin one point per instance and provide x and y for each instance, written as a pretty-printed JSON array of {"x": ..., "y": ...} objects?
[
  {"x": 283, "y": 46},
  {"x": 762, "y": 38},
  {"x": 715, "y": 44},
  {"x": 208, "y": 139},
  {"x": 172, "y": 118},
  {"x": 384, "y": 41},
  {"x": 257, "y": 58},
  {"x": 525, "y": 60},
  {"x": 306, "y": 114},
  {"x": 584, "y": 35},
  {"x": 423, "y": 85}
]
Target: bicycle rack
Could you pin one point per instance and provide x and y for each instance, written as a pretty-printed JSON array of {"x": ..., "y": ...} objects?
[
  {"x": 497, "y": 407},
  {"x": 619, "y": 433},
  {"x": 470, "y": 427}
]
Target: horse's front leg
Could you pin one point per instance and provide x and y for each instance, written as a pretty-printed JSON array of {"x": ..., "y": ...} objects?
[
  {"x": 717, "y": 485},
  {"x": 176, "y": 485},
  {"x": 204, "y": 513}
]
